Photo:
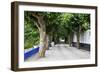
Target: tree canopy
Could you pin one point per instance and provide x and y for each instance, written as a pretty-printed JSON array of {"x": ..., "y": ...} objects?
[{"x": 57, "y": 25}]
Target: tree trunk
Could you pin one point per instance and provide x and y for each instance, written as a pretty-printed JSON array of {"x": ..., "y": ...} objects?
[
  {"x": 48, "y": 41},
  {"x": 69, "y": 40},
  {"x": 43, "y": 44},
  {"x": 53, "y": 38},
  {"x": 65, "y": 39},
  {"x": 43, "y": 39},
  {"x": 78, "y": 37},
  {"x": 57, "y": 39},
  {"x": 78, "y": 40}
]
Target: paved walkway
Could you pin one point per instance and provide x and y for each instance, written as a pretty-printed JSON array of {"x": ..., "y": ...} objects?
[{"x": 62, "y": 52}]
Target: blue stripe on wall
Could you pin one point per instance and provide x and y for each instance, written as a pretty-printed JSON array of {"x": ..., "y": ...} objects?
[{"x": 30, "y": 53}]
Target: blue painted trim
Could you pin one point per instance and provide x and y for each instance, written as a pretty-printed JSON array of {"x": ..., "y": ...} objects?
[{"x": 30, "y": 53}]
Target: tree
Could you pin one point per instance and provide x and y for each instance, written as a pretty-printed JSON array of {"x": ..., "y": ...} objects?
[
  {"x": 37, "y": 19},
  {"x": 52, "y": 24},
  {"x": 42, "y": 30},
  {"x": 31, "y": 34},
  {"x": 43, "y": 20},
  {"x": 80, "y": 23},
  {"x": 66, "y": 23}
]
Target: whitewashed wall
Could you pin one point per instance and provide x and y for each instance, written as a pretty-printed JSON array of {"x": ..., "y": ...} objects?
[{"x": 84, "y": 37}]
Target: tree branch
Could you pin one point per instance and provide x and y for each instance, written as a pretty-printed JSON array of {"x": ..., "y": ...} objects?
[
  {"x": 34, "y": 15},
  {"x": 36, "y": 23},
  {"x": 40, "y": 21}
]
